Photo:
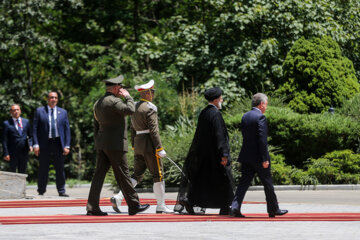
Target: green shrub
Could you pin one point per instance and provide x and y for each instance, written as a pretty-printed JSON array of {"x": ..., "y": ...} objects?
[
  {"x": 351, "y": 108},
  {"x": 303, "y": 136},
  {"x": 317, "y": 76},
  {"x": 337, "y": 167}
]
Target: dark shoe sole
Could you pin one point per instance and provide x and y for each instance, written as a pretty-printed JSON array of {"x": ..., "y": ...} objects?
[
  {"x": 96, "y": 214},
  {"x": 114, "y": 205}
]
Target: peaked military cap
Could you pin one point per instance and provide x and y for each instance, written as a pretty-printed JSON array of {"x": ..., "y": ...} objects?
[
  {"x": 213, "y": 93},
  {"x": 114, "y": 81},
  {"x": 146, "y": 86}
]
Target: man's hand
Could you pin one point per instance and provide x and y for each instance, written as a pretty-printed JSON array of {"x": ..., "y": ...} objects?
[
  {"x": 7, "y": 158},
  {"x": 123, "y": 92},
  {"x": 37, "y": 151},
  {"x": 224, "y": 161},
  {"x": 266, "y": 164},
  {"x": 66, "y": 151},
  {"x": 30, "y": 149}
]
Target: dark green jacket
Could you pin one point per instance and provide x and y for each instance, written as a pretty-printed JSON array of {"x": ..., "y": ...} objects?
[{"x": 110, "y": 128}]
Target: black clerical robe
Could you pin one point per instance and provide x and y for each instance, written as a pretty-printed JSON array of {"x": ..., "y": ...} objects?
[{"x": 210, "y": 184}]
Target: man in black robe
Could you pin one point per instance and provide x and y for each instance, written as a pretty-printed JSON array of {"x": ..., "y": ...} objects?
[{"x": 208, "y": 182}]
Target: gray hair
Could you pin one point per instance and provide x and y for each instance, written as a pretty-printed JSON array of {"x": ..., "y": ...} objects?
[{"x": 257, "y": 99}]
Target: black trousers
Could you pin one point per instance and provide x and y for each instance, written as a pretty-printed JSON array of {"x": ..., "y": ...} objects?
[
  {"x": 248, "y": 171},
  {"x": 53, "y": 154},
  {"x": 18, "y": 162},
  {"x": 118, "y": 161}
]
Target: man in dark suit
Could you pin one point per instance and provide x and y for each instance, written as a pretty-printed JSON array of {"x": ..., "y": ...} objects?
[
  {"x": 51, "y": 134},
  {"x": 255, "y": 158},
  {"x": 110, "y": 134},
  {"x": 17, "y": 140}
]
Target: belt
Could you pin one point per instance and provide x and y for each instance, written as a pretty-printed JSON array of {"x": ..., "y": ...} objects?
[
  {"x": 142, "y": 132},
  {"x": 54, "y": 139}
]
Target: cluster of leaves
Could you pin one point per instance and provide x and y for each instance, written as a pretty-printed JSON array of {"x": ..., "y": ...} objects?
[
  {"x": 338, "y": 167},
  {"x": 301, "y": 136},
  {"x": 317, "y": 76},
  {"x": 71, "y": 45}
]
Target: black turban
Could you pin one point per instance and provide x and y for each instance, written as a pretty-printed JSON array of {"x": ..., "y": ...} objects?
[{"x": 212, "y": 93}]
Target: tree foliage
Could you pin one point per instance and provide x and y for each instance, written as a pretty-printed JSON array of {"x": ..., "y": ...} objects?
[
  {"x": 185, "y": 45},
  {"x": 317, "y": 76}
]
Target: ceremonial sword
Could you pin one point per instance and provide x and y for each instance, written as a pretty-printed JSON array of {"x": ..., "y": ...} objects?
[{"x": 177, "y": 166}]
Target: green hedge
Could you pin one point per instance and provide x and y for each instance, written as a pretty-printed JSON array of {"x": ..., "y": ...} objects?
[
  {"x": 338, "y": 167},
  {"x": 304, "y": 136}
]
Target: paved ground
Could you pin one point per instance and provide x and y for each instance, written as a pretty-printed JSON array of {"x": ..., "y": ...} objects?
[{"x": 295, "y": 201}]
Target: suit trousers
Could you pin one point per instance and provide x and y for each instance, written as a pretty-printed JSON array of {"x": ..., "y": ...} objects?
[
  {"x": 19, "y": 162},
  {"x": 118, "y": 161},
  {"x": 248, "y": 171},
  {"x": 54, "y": 153}
]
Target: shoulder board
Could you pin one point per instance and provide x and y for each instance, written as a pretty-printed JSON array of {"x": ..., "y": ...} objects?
[{"x": 152, "y": 106}]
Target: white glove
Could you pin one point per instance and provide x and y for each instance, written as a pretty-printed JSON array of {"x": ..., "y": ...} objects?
[{"x": 162, "y": 153}]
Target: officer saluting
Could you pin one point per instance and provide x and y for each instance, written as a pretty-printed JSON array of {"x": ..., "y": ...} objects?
[
  {"x": 110, "y": 133},
  {"x": 148, "y": 150}
]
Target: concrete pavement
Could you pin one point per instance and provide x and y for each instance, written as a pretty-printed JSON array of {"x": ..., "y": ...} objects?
[{"x": 308, "y": 201}]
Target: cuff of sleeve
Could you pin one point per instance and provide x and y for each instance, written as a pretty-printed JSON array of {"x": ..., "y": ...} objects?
[
  {"x": 68, "y": 147},
  {"x": 159, "y": 149},
  {"x": 36, "y": 146}
]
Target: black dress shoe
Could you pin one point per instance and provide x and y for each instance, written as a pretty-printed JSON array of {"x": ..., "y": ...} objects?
[
  {"x": 278, "y": 212},
  {"x": 236, "y": 213},
  {"x": 63, "y": 195},
  {"x": 96, "y": 213},
  {"x": 140, "y": 208}
]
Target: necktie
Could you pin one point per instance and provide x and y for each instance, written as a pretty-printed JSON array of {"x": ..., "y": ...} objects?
[
  {"x": 52, "y": 129},
  {"x": 19, "y": 126}
]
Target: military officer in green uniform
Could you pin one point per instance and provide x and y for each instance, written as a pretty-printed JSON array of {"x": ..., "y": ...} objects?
[
  {"x": 110, "y": 133},
  {"x": 148, "y": 150}
]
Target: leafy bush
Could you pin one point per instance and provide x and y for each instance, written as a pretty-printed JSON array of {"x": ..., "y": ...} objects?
[
  {"x": 301, "y": 136},
  {"x": 317, "y": 76},
  {"x": 351, "y": 107},
  {"x": 284, "y": 174},
  {"x": 336, "y": 167},
  {"x": 304, "y": 136}
]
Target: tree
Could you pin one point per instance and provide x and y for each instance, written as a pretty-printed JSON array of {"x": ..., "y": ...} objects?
[{"x": 317, "y": 76}]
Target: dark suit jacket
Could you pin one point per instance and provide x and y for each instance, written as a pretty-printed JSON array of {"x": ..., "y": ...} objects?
[
  {"x": 41, "y": 127},
  {"x": 14, "y": 143},
  {"x": 254, "y": 130}
]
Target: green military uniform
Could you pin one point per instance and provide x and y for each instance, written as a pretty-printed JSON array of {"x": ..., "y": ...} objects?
[
  {"x": 146, "y": 141},
  {"x": 111, "y": 148}
]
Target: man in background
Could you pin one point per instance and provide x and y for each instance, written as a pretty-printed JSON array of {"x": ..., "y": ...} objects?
[
  {"x": 51, "y": 134},
  {"x": 17, "y": 140}
]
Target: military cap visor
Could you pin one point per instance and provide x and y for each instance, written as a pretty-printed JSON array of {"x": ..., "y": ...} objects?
[
  {"x": 146, "y": 86},
  {"x": 114, "y": 81},
  {"x": 213, "y": 93}
]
